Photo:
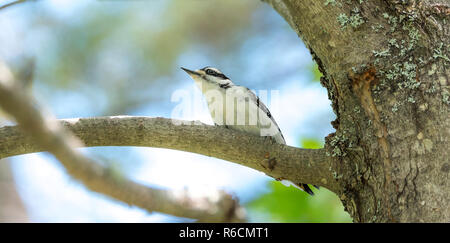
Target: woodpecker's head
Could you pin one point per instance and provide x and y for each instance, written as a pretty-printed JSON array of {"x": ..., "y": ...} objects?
[{"x": 210, "y": 75}]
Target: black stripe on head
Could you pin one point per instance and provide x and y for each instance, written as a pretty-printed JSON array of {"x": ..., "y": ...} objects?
[{"x": 214, "y": 72}]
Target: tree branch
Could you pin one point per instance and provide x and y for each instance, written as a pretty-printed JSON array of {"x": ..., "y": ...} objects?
[
  {"x": 276, "y": 160},
  {"x": 48, "y": 134},
  {"x": 11, "y": 4}
]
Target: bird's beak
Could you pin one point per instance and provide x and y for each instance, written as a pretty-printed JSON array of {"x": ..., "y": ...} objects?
[{"x": 190, "y": 72}]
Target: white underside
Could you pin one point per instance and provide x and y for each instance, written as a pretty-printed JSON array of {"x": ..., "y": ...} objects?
[{"x": 236, "y": 108}]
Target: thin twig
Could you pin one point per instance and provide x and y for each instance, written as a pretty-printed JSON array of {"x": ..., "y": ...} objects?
[{"x": 11, "y": 4}]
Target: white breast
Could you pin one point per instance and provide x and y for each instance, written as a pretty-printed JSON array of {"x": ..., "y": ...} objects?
[{"x": 237, "y": 108}]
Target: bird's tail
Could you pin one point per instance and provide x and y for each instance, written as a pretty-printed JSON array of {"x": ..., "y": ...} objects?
[{"x": 308, "y": 190}]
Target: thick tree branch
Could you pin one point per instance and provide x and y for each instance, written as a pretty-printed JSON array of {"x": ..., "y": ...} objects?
[
  {"x": 47, "y": 134},
  {"x": 278, "y": 161}
]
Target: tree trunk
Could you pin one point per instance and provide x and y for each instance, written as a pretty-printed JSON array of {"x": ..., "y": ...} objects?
[{"x": 386, "y": 69}]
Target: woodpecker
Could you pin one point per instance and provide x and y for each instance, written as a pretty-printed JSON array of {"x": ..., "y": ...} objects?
[{"x": 237, "y": 107}]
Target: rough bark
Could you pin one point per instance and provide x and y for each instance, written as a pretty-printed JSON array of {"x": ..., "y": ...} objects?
[
  {"x": 276, "y": 160},
  {"x": 386, "y": 69}
]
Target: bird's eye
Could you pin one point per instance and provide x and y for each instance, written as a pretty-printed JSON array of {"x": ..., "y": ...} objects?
[{"x": 210, "y": 72}]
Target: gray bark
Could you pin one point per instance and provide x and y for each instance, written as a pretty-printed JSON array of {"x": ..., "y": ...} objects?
[
  {"x": 385, "y": 66},
  {"x": 386, "y": 69},
  {"x": 276, "y": 160}
]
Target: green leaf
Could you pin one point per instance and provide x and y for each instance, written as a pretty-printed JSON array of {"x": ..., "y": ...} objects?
[
  {"x": 311, "y": 143},
  {"x": 316, "y": 73},
  {"x": 289, "y": 204}
]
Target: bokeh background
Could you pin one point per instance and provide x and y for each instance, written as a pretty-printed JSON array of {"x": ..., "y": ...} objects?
[{"x": 103, "y": 58}]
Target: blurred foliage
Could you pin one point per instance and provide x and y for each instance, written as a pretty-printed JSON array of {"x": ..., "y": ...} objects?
[
  {"x": 311, "y": 143},
  {"x": 116, "y": 47},
  {"x": 316, "y": 73},
  {"x": 289, "y": 204},
  {"x": 116, "y": 57}
]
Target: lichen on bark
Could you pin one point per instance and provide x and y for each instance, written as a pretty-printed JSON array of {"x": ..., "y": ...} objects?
[{"x": 387, "y": 77}]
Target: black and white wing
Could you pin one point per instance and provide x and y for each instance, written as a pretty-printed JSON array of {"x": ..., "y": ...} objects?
[{"x": 279, "y": 136}]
